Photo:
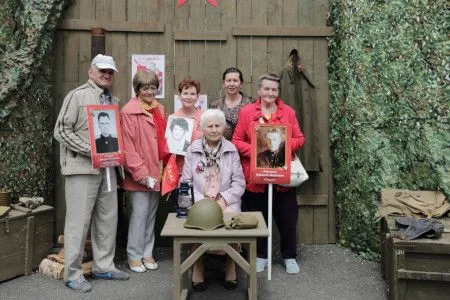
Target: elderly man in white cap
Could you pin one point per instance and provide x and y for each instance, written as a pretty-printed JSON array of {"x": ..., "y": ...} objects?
[{"x": 88, "y": 201}]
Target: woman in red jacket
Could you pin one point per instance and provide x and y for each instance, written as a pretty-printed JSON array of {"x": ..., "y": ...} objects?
[
  {"x": 270, "y": 109},
  {"x": 145, "y": 148}
]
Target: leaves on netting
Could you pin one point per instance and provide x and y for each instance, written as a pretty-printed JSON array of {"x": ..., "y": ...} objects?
[
  {"x": 389, "y": 108},
  {"x": 26, "y": 112}
]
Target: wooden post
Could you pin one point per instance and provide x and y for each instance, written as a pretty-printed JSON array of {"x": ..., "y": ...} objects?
[
  {"x": 97, "y": 41},
  {"x": 269, "y": 239},
  {"x": 29, "y": 246}
]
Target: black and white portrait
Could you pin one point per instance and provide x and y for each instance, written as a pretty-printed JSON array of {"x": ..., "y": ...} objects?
[
  {"x": 105, "y": 132},
  {"x": 178, "y": 134}
]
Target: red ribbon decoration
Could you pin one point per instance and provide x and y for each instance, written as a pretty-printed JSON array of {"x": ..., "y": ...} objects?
[{"x": 212, "y": 2}]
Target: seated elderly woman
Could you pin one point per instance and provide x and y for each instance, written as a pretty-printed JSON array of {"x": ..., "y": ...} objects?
[{"x": 213, "y": 166}]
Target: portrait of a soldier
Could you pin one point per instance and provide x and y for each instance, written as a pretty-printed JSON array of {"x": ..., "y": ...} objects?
[{"x": 273, "y": 156}]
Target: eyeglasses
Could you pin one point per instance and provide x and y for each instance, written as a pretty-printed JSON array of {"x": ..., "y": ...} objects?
[{"x": 107, "y": 71}]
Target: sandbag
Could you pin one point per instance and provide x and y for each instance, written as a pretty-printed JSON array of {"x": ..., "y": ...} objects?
[{"x": 242, "y": 221}]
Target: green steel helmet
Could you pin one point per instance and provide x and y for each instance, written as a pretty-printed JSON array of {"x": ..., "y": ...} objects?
[{"x": 205, "y": 214}]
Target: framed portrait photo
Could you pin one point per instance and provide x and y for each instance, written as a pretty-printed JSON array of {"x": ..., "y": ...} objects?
[
  {"x": 105, "y": 136},
  {"x": 270, "y": 158},
  {"x": 179, "y": 134}
]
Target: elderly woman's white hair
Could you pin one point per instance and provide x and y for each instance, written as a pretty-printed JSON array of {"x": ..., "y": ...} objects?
[{"x": 212, "y": 113}]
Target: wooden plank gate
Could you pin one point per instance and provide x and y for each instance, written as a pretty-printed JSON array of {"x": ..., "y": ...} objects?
[{"x": 201, "y": 41}]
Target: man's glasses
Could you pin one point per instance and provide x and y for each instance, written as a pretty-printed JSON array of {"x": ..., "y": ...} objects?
[{"x": 107, "y": 71}]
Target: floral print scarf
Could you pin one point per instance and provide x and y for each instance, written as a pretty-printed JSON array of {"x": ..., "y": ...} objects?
[{"x": 212, "y": 170}]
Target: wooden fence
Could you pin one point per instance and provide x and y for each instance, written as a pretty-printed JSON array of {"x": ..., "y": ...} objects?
[{"x": 200, "y": 41}]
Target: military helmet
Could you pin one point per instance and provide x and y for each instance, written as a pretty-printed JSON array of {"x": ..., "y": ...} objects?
[{"x": 205, "y": 214}]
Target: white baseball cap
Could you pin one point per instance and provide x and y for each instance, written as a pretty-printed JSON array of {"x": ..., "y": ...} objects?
[{"x": 104, "y": 62}]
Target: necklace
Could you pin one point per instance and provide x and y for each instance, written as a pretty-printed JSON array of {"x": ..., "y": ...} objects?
[
  {"x": 268, "y": 110},
  {"x": 148, "y": 106},
  {"x": 189, "y": 114},
  {"x": 233, "y": 103}
]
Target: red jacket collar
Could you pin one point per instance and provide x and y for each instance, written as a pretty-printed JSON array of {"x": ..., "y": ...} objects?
[
  {"x": 136, "y": 108},
  {"x": 278, "y": 113}
]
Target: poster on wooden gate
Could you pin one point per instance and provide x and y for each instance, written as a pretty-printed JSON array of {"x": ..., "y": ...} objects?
[
  {"x": 149, "y": 62},
  {"x": 105, "y": 135},
  {"x": 270, "y": 154}
]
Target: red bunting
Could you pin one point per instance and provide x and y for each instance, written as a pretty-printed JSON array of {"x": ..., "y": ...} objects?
[
  {"x": 171, "y": 176},
  {"x": 212, "y": 2}
]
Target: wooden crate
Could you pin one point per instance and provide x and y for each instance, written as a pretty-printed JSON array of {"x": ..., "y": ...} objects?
[
  {"x": 25, "y": 239},
  {"x": 417, "y": 269}
]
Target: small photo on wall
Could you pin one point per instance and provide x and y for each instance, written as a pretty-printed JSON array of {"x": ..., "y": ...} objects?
[{"x": 149, "y": 62}]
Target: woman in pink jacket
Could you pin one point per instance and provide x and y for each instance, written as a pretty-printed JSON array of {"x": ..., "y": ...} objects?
[
  {"x": 270, "y": 109},
  {"x": 145, "y": 148},
  {"x": 213, "y": 166},
  {"x": 189, "y": 91}
]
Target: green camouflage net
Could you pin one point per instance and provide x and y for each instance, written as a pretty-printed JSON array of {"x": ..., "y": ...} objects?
[
  {"x": 26, "y": 103},
  {"x": 390, "y": 108}
]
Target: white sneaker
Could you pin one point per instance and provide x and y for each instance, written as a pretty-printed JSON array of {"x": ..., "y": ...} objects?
[
  {"x": 136, "y": 267},
  {"x": 151, "y": 266},
  {"x": 261, "y": 264},
  {"x": 291, "y": 266},
  {"x": 79, "y": 285},
  {"x": 150, "y": 263}
]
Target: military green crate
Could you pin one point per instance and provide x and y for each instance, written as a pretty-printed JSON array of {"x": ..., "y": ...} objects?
[
  {"x": 416, "y": 269},
  {"x": 25, "y": 239}
]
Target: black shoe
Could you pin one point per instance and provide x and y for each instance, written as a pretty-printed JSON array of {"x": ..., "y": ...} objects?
[
  {"x": 199, "y": 286},
  {"x": 230, "y": 284}
]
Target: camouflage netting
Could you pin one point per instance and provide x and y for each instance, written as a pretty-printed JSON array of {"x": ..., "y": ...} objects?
[
  {"x": 390, "y": 122},
  {"x": 390, "y": 108},
  {"x": 26, "y": 103}
]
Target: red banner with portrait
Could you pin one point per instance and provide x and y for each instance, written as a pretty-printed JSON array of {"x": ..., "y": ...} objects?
[
  {"x": 270, "y": 158},
  {"x": 105, "y": 135}
]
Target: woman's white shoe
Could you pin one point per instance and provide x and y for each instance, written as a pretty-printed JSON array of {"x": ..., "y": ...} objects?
[
  {"x": 151, "y": 265},
  {"x": 136, "y": 266},
  {"x": 138, "y": 269}
]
